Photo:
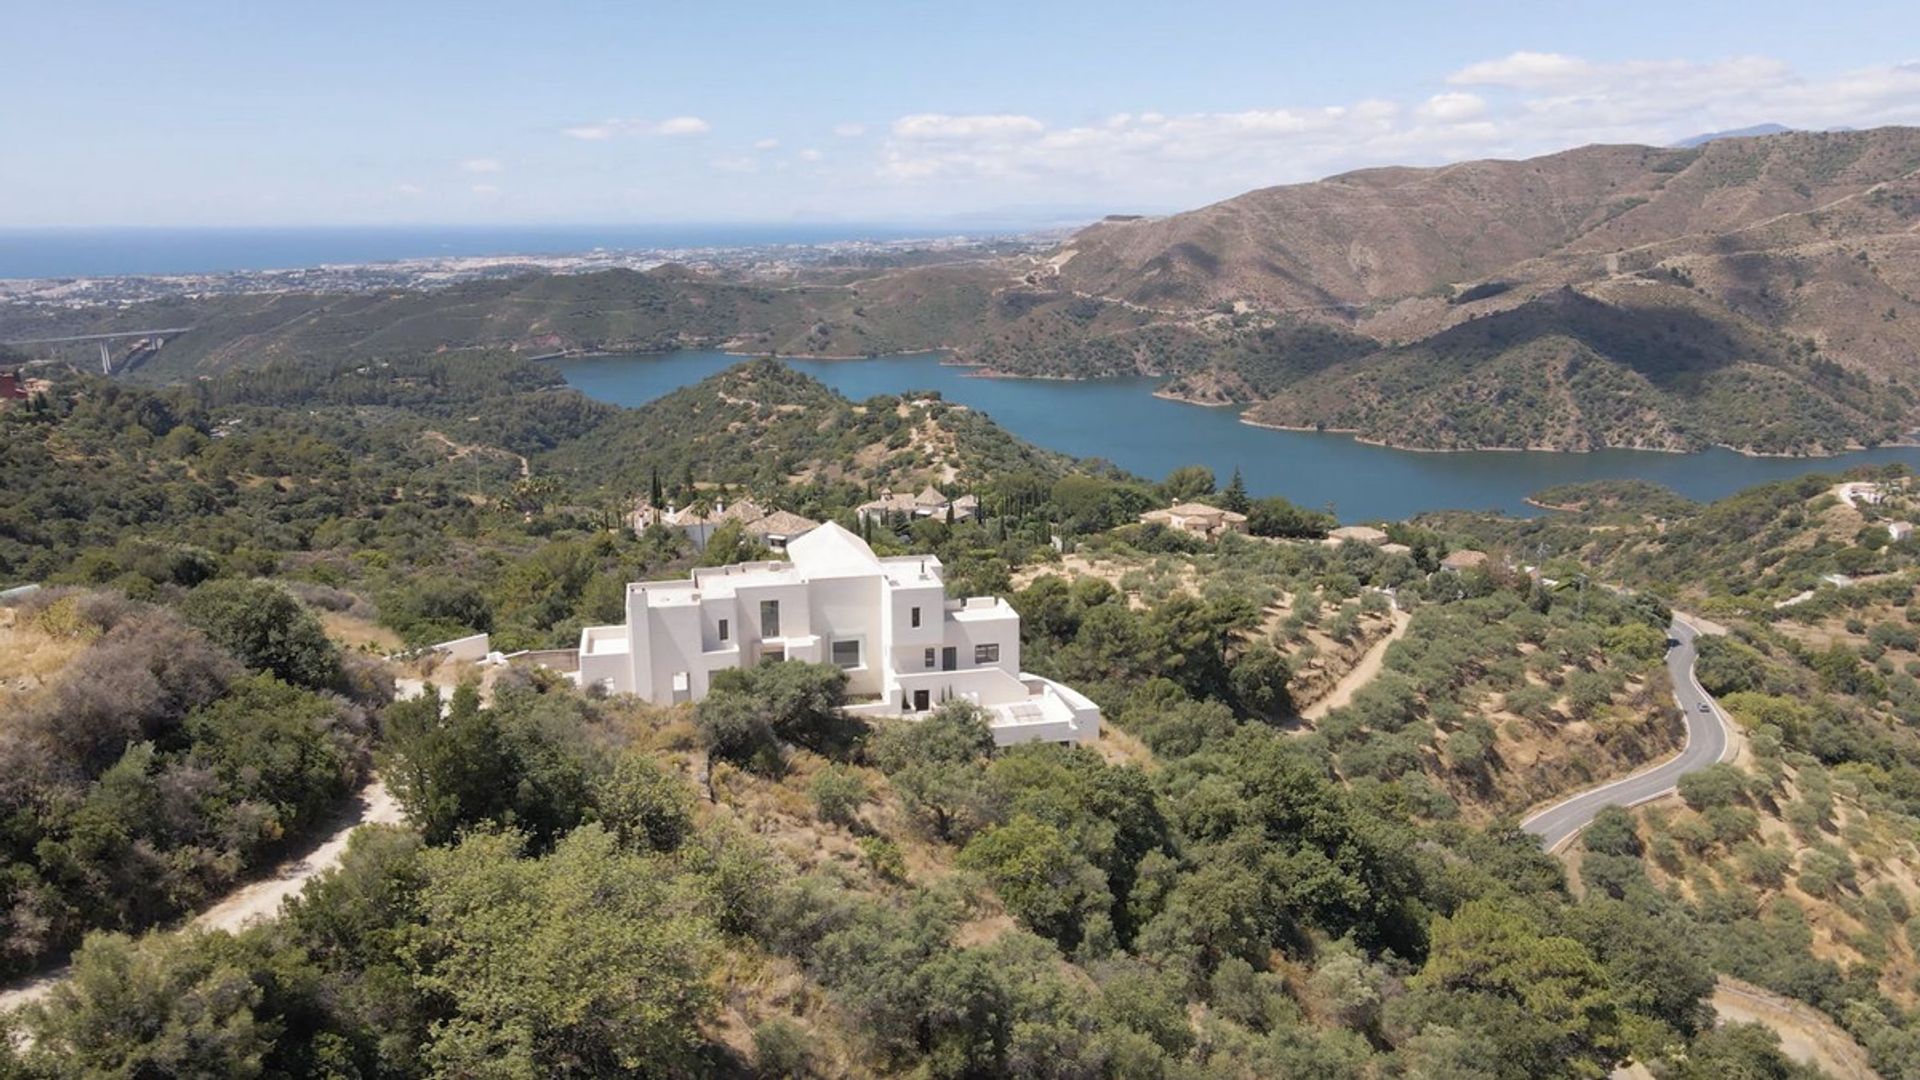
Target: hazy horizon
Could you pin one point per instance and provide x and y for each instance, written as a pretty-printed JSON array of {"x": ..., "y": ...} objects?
[{"x": 201, "y": 114}]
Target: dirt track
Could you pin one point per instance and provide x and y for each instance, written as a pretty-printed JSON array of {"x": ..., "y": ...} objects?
[
  {"x": 1362, "y": 673},
  {"x": 257, "y": 899}
]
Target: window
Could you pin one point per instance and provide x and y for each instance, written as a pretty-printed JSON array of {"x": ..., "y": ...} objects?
[
  {"x": 769, "y": 618},
  {"x": 916, "y": 617},
  {"x": 986, "y": 654},
  {"x": 846, "y": 654},
  {"x": 929, "y": 659},
  {"x": 723, "y": 629}
]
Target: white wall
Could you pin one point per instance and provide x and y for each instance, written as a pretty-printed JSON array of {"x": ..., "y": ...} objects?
[
  {"x": 472, "y": 647},
  {"x": 1002, "y": 630},
  {"x": 852, "y": 609}
]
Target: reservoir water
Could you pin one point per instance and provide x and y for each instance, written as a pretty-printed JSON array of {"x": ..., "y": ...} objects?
[{"x": 1120, "y": 420}]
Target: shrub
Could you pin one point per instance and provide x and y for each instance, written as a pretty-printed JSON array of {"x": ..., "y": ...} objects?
[
  {"x": 269, "y": 630},
  {"x": 838, "y": 791},
  {"x": 781, "y": 1048},
  {"x": 647, "y": 808},
  {"x": 1715, "y": 785}
]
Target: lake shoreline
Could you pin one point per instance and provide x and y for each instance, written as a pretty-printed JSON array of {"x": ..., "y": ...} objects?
[
  {"x": 1356, "y": 436},
  {"x": 1121, "y": 420},
  {"x": 985, "y": 371}
]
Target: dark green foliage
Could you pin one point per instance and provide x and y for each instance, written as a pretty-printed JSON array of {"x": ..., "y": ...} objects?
[
  {"x": 838, "y": 792},
  {"x": 1566, "y": 370},
  {"x": 269, "y": 630},
  {"x": 525, "y": 762},
  {"x": 1274, "y": 516},
  {"x": 1541, "y": 999},
  {"x": 648, "y": 809},
  {"x": 749, "y": 712},
  {"x": 152, "y": 774},
  {"x": 934, "y": 764},
  {"x": 1741, "y": 1052}
]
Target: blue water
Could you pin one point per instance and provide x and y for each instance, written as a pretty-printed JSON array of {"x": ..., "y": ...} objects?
[
  {"x": 106, "y": 252},
  {"x": 1120, "y": 420}
]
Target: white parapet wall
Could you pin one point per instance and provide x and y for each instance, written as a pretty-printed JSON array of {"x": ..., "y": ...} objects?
[{"x": 473, "y": 647}]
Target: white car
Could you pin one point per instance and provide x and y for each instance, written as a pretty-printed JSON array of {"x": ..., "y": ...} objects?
[{"x": 1704, "y": 707}]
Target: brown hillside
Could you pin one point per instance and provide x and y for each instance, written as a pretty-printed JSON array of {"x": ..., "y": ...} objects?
[{"x": 1386, "y": 234}]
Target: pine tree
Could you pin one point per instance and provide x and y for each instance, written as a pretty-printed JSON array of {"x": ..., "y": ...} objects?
[
  {"x": 1235, "y": 498},
  {"x": 655, "y": 494}
]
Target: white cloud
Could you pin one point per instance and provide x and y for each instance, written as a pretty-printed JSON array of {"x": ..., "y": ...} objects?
[
  {"x": 485, "y": 189},
  {"x": 766, "y": 144},
  {"x": 407, "y": 189},
  {"x": 810, "y": 154},
  {"x": 1523, "y": 104},
  {"x": 481, "y": 165},
  {"x": 940, "y": 126},
  {"x": 1454, "y": 108},
  {"x": 849, "y": 130},
  {"x": 1523, "y": 69},
  {"x": 735, "y": 164},
  {"x": 682, "y": 125},
  {"x": 609, "y": 129}
]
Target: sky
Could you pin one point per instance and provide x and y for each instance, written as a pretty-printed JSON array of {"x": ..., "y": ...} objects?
[{"x": 428, "y": 112}]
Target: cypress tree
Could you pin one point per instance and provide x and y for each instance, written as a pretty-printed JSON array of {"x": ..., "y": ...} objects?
[{"x": 1235, "y": 498}]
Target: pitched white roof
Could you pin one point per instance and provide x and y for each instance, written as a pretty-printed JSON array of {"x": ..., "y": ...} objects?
[
  {"x": 832, "y": 551},
  {"x": 781, "y": 523}
]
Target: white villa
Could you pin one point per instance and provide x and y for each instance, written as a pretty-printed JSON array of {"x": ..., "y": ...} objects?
[
  {"x": 887, "y": 622},
  {"x": 773, "y": 529},
  {"x": 928, "y": 504}
]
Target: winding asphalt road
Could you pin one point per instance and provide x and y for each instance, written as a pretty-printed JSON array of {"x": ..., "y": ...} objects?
[{"x": 1708, "y": 741}]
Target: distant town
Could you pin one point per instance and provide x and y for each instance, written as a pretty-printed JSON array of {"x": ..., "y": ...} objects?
[{"x": 764, "y": 262}]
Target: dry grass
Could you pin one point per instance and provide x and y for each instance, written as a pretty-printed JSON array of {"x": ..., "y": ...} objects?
[
  {"x": 30, "y": 658},
  {"x": 354, "y": 632},
  {"x": 1884, "y": 855}
]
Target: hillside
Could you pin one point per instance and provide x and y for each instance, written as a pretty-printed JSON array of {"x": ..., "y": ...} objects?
[
  {"x": 1382, "y": 235},
  {"x": 1751, "y": 271},
  {"x": 762, "y": 423},
  {"x": 1570, "y": 372}
]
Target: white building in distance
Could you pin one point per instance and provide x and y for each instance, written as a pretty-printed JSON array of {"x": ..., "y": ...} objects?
[{"x": 887, "y": 623}]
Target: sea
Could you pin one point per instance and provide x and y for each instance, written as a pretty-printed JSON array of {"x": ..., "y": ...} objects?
[{"x": 120, "y": 252}]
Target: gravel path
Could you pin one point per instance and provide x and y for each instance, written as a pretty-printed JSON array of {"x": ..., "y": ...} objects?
[{"x": 257, "y": 899}]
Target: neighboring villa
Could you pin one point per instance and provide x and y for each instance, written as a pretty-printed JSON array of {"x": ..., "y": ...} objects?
[
  {"x": 1197, "y": 519},
  {"x": 886, "y": 622},
  {"x": 773, "y": 529},
  {"x": 928, "y": 504},
  {"x": 1463, "y": 560},
  {"x": 1357, "y": 534}
]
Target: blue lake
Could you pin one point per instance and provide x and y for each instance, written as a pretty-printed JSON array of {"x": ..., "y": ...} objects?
[{"x": 1120, "y": 420}]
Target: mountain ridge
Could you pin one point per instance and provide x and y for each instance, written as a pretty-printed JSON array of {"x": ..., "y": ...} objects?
[{"x": 1803, "y": 246}]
